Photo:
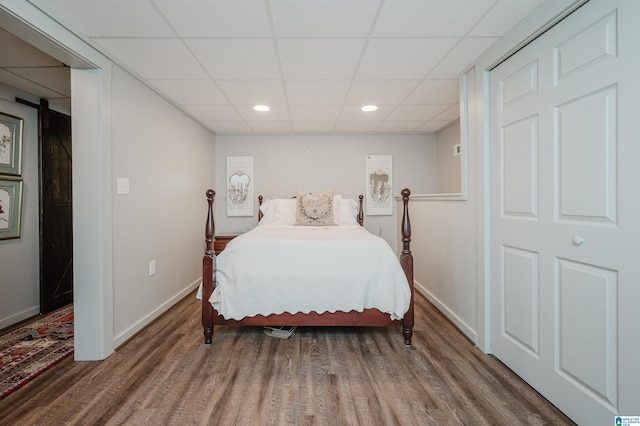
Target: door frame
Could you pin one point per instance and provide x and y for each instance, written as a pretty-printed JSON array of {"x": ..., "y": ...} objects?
[{"x": 91, "y": 172}]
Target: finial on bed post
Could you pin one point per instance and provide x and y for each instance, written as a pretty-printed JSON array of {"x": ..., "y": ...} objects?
[
  {"x": 210, "y": 228},
  {"x": 260, "y": 198},
  {"x": 360, "y": 210},
  {"x": 406, "y": 260}
]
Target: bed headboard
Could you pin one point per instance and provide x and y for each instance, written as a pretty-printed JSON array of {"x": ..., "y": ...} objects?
[{"x": 360, "y": 208}]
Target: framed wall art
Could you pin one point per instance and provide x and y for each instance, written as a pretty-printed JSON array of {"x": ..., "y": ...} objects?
[
  {"x": 10, "y": 144},
  {"x": 239, "y": 186},
  {"x": 379, "y": 188},
  {"x": 10, "y": 207}
]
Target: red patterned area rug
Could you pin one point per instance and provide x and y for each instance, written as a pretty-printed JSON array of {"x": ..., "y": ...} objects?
[{"x": 31, "y": 349}]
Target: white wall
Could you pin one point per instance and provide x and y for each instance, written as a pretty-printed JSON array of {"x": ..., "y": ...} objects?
[
  {"x": 169, "y": 161},
  {"x": 444, "y": 236},
  {"x": 19, "y": 258},
  {"x": 448, "y": 164},
  {"x": 284, "y": 163}
]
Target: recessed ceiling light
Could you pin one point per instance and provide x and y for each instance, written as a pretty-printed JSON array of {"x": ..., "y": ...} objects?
[
  {"x": 369, "y": 108},
  {"x": 261, "y": 108}
]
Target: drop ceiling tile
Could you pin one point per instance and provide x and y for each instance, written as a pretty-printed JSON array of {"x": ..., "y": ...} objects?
[
  {"x": 318, "y": 51},
  {"x": 276, "y": 113},
  {"x": 380, "y": 92},
  {"x": 315, "y": 112},
  {"x": 226, "y": 18},
  {"x": 504, "y": 16},
  {"x": 314, "y": 59},
  {"x": 237, "y": 58},
  {"x": 312, "y": 126},
  {"x": 121, "y": 18},
  {"x": 162, "y": 58},
  {"x": 332, "y": 18},
  {"x": 353, "y": 113},
  {"x": 213, "y": 112},
  {"x": 356, "y": 126},
  {"x": 429, "y": 17},
  {"x": 25, "y": 85},
  {"x": 18, "y": 53},
  {"x": 450, "y": 114},
  {"x": 433, "y": 126},
  {"x": 460, "y": 57},
  {"x": 407, "y": 58},
  {"x": 270, "y": 126},
  {"x": 399, "y": 126},
  {"x": 319, "y": 92},
  {"x": 434, "y": 92},
  {"x": 228, "y": 126},
  {"x": 420, "y": 113},
  {"x": 191, "y": 91},
  {"x": 57, "y": 79},
  {"x": 253, "y": 92}
]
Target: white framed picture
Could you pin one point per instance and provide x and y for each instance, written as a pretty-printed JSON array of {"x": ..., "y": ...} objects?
[
  {"x": 240, "y": 186},
  {"x": 379, "y": 186}
]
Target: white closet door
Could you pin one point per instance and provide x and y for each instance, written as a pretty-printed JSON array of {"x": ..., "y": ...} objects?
[{"x": 565, "y": 183}]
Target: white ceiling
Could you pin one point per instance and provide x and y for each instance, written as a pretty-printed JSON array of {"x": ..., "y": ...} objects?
[{"x": 315, "y": 62}]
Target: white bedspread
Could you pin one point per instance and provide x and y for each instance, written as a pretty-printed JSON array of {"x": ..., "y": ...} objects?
[{"x": 282, "y": 268}]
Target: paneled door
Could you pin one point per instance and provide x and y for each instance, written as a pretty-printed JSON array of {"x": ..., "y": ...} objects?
[
  {"x": 565, "y": 185},
  {"x": 56, "y": 220}
]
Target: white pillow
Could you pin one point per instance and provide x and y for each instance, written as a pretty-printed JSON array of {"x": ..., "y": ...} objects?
[
  {"x": 337, "y": 199},
  {"x": 285, "y": 211},
  {"x": 268, "y": 209},
  {"x": 348, "y": 212}
]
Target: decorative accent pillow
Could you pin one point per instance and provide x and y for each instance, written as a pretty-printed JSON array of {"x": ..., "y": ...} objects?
[{"x": 314, "y": 210}]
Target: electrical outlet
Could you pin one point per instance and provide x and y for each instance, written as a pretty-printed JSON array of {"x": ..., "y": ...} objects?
[
  {"x": 152, "y": 268},
  {"x": 123, "y": 186}
]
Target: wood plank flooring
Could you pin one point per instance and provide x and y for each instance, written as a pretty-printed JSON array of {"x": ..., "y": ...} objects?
[{"x": 165, "y": 375}]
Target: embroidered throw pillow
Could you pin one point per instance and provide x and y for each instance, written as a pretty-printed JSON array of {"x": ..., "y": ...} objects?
[{"x": 314, "y": 210}]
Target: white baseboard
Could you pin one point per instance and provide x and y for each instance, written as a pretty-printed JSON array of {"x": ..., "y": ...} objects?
[
  {"x": 16, "y": 318},
  {"x": 131, "y": 331},
  {"x": 462, "y": 326}
]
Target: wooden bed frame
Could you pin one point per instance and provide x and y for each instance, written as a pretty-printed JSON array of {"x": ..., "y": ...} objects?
[{"x": 369, "y": 317}]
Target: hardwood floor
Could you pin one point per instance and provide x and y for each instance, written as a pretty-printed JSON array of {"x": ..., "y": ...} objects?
[{"x": 324, "y": 376}]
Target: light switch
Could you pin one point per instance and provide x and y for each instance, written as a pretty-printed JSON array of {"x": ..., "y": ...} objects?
[{"x": 123, "y": 185}]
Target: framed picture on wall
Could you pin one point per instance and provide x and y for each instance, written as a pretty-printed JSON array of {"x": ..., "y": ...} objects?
[
  {"x": 239, "y": 186},
  {"x": 10, "y": 145},
  {"x": 379, "y": 188},
  {"x": 10, "y": 207}
]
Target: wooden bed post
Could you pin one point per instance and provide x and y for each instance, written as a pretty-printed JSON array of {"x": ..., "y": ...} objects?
[
  {"x": 360, "y": 210},
  {"x": 208, "y": 262},
  {"x": 260, "y": 198},
  {"x": 406, "y": 261}
]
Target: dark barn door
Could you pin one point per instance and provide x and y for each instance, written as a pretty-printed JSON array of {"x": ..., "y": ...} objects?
[{"x": 56, "y": 223}]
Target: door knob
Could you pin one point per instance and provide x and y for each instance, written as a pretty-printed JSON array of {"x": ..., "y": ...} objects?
[{"x": 578, "y": 240}]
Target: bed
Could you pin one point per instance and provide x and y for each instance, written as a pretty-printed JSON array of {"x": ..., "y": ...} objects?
[{"x": 317, "y": 275}]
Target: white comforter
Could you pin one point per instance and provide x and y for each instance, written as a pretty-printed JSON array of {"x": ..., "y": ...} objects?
[{"x": 282, "y": 268}]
